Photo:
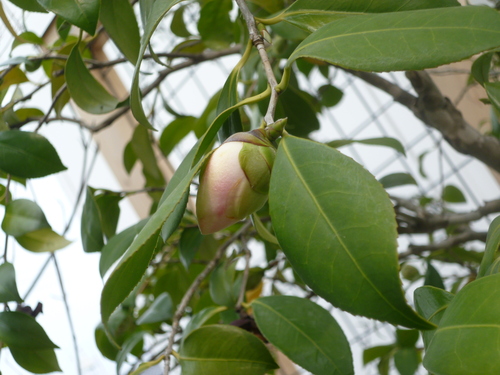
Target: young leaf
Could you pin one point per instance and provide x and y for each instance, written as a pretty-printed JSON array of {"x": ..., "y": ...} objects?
[
  {"x": 467, "y": 340},
  {"x": 8, "y": 286},
  {"x": 410, "y": 40},
  {"x": 159, "y": 311},
  {"x": 83, "y": 14},
  {"x": 85, "y": 90},
  {"x": 305, "y": 332},
  {"x": 23, "y": 216},
  {"x": 492, "y": 244},
  {"x": 397, "y": 179},
  {"x": 91, "y": 228},
  {"x": 224, "y": 349},
  {"x": 344, "y": 252},
  {"x": 39, "y": 361},
  {"x": 28, "y": 155},
  {"x": 383, "y": 141},
  {"x": 118, "y": 18},
  {"x": 42, "y": 240}
]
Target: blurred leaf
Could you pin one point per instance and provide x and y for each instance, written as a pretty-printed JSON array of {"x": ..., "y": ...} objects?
[
  {"x": 13, "y": 77},
  {"x": 493, "y": 91},
  {"x": 91, "y": 227},
  {"x": 433, "y": 278},
  {"x": 227, "y": 98},
  {"x": 271, "y": 6},
  {"x": 85, "y": 90},
  {"x": 452, "y": 194},
  {"x": 23, "y": 216},
  {"x": 83, "y": 14},
  {"x": 299, "y": 107},
  {"x": 160, "y": 310},
  {"x": 201, "y": 318},
  {"x": 397, "y": 179},
  {"x": 225, "y": 284},
  {"x": 330, "y": 95},
  {"x": 305, "y": 332},
  {"x": 342, "y": 251},
  {"x": 105, "y": 346},
  {"x": 146, "y": 365},
  {"x": 421, "y": 163},
  {"x": 175, "y": 132},
  {"x": 224, "y": 349},
  {"x": 178, "y": 26},
  {"x": 216, "y": 12},
  {"x": 118, "y": 18},
  {"x": 407, "y": 361},
  {"x": 406, "y": 338},
  {"x": 467, "y": 340},
  {"x": 142, "y": 146},
  {"x": 24, "y": 113},
  {"x": 383, "y": 366},
  {"x": 410, "y": 40},
  {"x": 39, "y": 361},
  {"x": 262, "y": 230},
  {"x": 109, "y": 212},
  {"x": 42, "y": 240},
  {"x": 481, "y": 68},
  {"x": 63, "y": 28},
  {"x": 129, "y": 157},
  {"x": 27, "y": 37},
  {"x": 29, "y": 5},
  {"x": 375, "y": 352},
  {"x": 20, "y": 330},
  {"x": 117, "y": 246},
  {"x": 8, "y": 286},
  {"x": 492, "y": 245},
  {"x": 127, "y": 347},
  {"x": 28, "y": 155},
  {"x": 189, "y": 244},
  {"x": 384, "y": 141}
]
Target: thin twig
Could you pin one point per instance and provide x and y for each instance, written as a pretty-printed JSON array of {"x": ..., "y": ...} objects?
[{"x": 195, "y": 284}]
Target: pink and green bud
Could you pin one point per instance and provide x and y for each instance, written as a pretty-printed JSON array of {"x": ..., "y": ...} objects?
[{"x": 235, "y": 181}]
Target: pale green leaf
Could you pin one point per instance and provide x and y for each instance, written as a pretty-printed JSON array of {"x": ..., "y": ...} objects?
[
  {"x": 23, "y": 216},
  {"x": 42, "y": 240},
  {"x": 13, "y": 77}
]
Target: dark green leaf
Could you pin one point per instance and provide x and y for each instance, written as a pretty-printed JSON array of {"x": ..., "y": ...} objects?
[
  {"x": 36, "y": 361},
  {"x": 117, "y": 246},
  {"x": 159, "y": 311},
  {"x": 85, "y": 90},
  {"x": 189, "y": 243},
  {"x": 407, "y": 361},
  {"x": 397, "y": 179},
  {"x": 375, "y": 352},
  {"x": 431, "y": 303},
  {"x": 410, "y": 40},
  {"x": 481, "y": 68},
  {"x": 22, "y": 331},
  {"x": 105, "y": 346},
  {"x": 344, "y": 252},
  {"x": 406, "y": 338},
  {"x": 109, "y": 212},
  {"x": 305, "y": 332},
  {"x": 225, "y": 285},
  {"x": 433, "y": 278},
  {"x": 299, "y": 107},
  {"x": 201, "y": 318},
  {"x": 330, "y": 95},
  {"x": 23, "y": 216},
  {"x": 29, "y": 5},
  {"x": 492, "y": 244},
  {"x": 467, "y": 340},
  {"x": 384, "y": 141},
  {"x": 175, "y": 132},
  {"x": 452, "y": 194},
  {"x": 118, "y": 18},
  {"x": 91, "y": 228},
  {"x": 223, "y": 349},
  {"x": 28, "y": 155},
  {"x": 8, "y": 286},
  {"x": 142, "y": 146},
  {"x": 83, "y": 14},
  {"x": 178, "y": 26},
  {"x": 229, "y": 97},
  {"x": 42, "y": 240},
  {"x": 216, "y": 12},
  {"x": 129, "y": 157}
]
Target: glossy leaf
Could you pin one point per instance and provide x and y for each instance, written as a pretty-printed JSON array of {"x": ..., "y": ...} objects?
[
  {"x": 344, "y": 252},
  {"x": 201, "y": 318},
  {"x": 40, "y": 361},
  {"x": 384, "y": 141},
  {"x": 117, "y": 246},
  {"x": 29, "y": 5},
  {"x": 397, "y": 179},
  {"x": 473, "y": 317},
  {"x": 28, "y": 155},
  {"x": 21, "y": 330},
  {"x": 85, "y": 90},
  {"x": 305, "y": 332},
  {"x": 175, "y": 132},
  {"x": 23, "y": 216},
  {"x": 8, "y": 286},
  {"x": 151, "y": 18},
  {"x": 224, "y": 349},
  {"x": 431, "y": 302},
  {"x": 492, "y": 245},
  {"x": 118, "y": 18},
  {"x": 410, "y": 40},
  {"x": 189, "y": 244},
  {"x": 42, "y": 240},
  {"x": 452, "y": 194},
  {"x": 81, "y": 13},
  {"x": 312, "y": 14},
  {"x": 159, "y": 311},
  {"x": 91, "y": 228}
]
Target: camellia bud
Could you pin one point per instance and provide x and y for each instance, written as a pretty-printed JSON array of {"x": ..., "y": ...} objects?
[{"x": 235, "y": 181}]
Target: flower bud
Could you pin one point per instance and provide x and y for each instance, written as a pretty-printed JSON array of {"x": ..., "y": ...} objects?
[{"x": 235, "y": 181}]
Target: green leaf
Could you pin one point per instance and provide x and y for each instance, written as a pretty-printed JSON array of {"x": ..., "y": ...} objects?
[
  {"x": 8, "y": 286},
  {"x": 128, "y": 346},
  {"x": 431, "y": 302},
  {"x": 117, "y": 246},
  {"x": 81, "y": 13},
  {"x": 36, "y": 361},
  {"x": 452, "y": 194},
  {"x": 467, "y": 340},
  {"x": 410, "y": 40},
  {"x": 85, "y": 90},
  {"x": 201, "y": 318},
  {"x": 159, "y": 311},
  {"x": 375, "y": 352},
  {"x": 216, "y": 12},
  {"x": 492, "y": 245},
  {"x": 42, "y": 240},
  {"x": 344, "y": 252},
  {"x": 145, "y": 365},
  {"x": 175, "y": 132},
  {"x": 305, "y": 332},
  {"x": 299, "y": 107},
  {"x": 223, "y": 349},
  {"x": 91, "y": 229},
  {"x": 20, "y": 330},
  {"x": 225, "y": 285},
  {"x": 384, "y": 141},
  {"x": 142, "y": 146},
  {"x": 397, "y": 179},
  {"x": 13, "y": 77},
  {"x": 493, "y": 91},
  {"x": 481, "y": 68},
  {"x": 312, "y": 14},
  {"x": 330, "y": 95},
  {"x": 189, "y": 244},
  {"x": 178, "y": 26},
  {"x": 109, "y": 212},
  {"x": 23, "y": 216},
  {"x": 433, "y": 278},
  {"x": 151, "y": 18},
  {"x": 27, "y": 37},
  {"x": 29, "y": 5},
  {"x": 262, "y": 230},
  {"x": 229, "y": 97},
  {"x": 406, "y": 338},
  {"x": 118, "y": 18},
  {"x": 407, "y": 361}
]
